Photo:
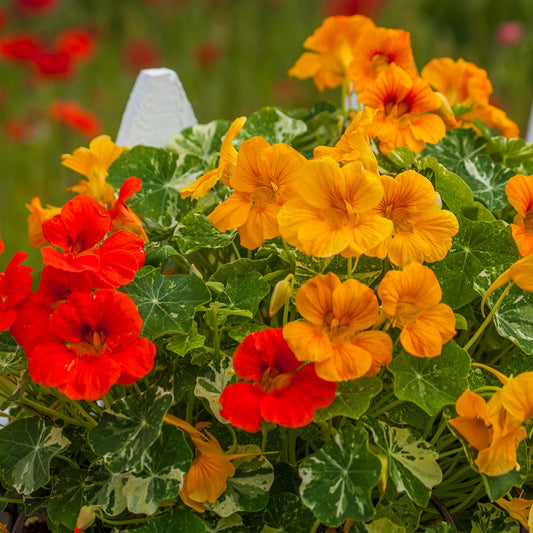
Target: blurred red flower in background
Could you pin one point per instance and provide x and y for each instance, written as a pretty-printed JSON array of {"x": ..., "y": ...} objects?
[
  {"x": 35, "y": 7},
  {"x": 19, "y": 129},
  {"x": 139, "y": 54},
  {"x": 509, "y": 33},
  {"x": 76, "y": 117},
  {"x": 19, "y": 47},
  {"x": 52, "y": 63},
  {"x": 370, "y": 8},
  {"x": 78, "y": 44},
  {"x": 207, "y": 53}
]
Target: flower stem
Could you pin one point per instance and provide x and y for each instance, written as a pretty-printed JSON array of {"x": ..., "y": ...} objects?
[
  {"x": 25, "y": 402},
  {"x": 10, "y": 500},
  {"x": 487, "y": 320}
]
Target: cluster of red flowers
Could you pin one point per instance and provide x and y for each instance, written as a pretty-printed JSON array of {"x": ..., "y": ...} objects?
[{"x": 76, "y": 338}]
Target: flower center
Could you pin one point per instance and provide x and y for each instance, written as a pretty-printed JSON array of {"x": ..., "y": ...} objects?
[
  {"x": 379, "y": 62},
  {"x": 528, "y": 222},
  {"x": 93, "y": 345},
  {"x": 406, "y": 313},
  {"x": 395, "y": 109},
  {"x": 272, "y": 380},
  {"x": 265, "y": 195}
]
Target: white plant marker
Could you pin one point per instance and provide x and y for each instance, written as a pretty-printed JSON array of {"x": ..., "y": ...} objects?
[
  {"x": 529, "y": 133},
  {"x": 157, "y": 110}
]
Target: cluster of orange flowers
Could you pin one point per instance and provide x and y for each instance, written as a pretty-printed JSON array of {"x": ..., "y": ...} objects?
[{"x": 377, "y": 63}]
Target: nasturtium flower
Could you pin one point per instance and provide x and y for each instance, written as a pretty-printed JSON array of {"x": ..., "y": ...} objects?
[
  {"x": 422, "y": 231},
  {"x": 332, "y": 333},
  {"x": 277, "y": 389},
  {"x": 516, "y": 396},
  {"x": 466, "y": 85},
  {"x": 332, "y": 47},
  {"x": 354, "y": 145},
  {"x": 99, "y": 346},
  {"x": 410, "y": 299},
  {"x": 78, "y": 230},
  {"x": 473, "y": 421},
  {"x": 38, "y": 214},
  {"x": 407, "y": 109},
  {"x": 376, "y": 50},
  {"x": 266, "y": 176},
  {"x": 93, "y": 163},
  {"x": 333, "y": 213},
  {"x": 225, "y": 168},
  {"x": 76, "y": 117},
  {"x": 122, "y": 216},
  {"x": 520, "y": 509},
  {"x": 519, "y": 191},
  {"x": 15, "y": 286}
]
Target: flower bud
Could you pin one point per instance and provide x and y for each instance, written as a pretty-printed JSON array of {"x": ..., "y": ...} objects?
[
  {"x": 281, "y": 293},
  {"x": 86, "y": 517}
]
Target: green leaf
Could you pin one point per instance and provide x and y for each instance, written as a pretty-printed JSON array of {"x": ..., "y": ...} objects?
[
  {"x": 459, "y": 145},
  {"x": 201, "y": 140},
  {"x": 182, "y": 344},
  {"x": 166, "y": 303},
  {"x": 105, "y": 489},
  {"x": 476, "y": 247},
  {"x": 163, "y": 174},
  {"x": 12, "y": 358},
  {"x": 337, "y": 481},
  {"x": 211, "y": 384},
  {"x": 352, "y": 399},
  {"x": 412, "y": 461},
  {"x": 177, "y": 520},
  {"x": 400, "y": 511},
  {"x": 408, "y": 413},
  {"x": 513, "y": 153},
  {"x": 28, "y": 445},
  {"x": 272, "y": 124},
  {"x": 166, "y": 462},
  {"x": 230, "y": 524},
  {"x": 195, "y": 232},
  {"x": 486, "y": 179},
  {"x": 441, "y": 527},
  {"x": 66, "y": 499},
  {"x": 287, "y": 514},
  {"x": 489, "y": 518},
  {"x": 240, "y": 267},
  {"x": 243, "y": 293},
  {"x": 248, "y": 489},
  {"x": 128, "y": 428},
  {"x": 431, "y": 382},
  {"x": 379, "y": 525}
]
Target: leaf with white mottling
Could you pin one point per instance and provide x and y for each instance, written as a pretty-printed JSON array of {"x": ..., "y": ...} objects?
[
  {"x": 166, "y": 462},
  {"x": 66, "y": 499},
  {"x": 338, "y": 480},
  {"x": 12, "y": 358},
  {"x": 128, "y": 428},
  {"x": 287, "y": 514},
  {"x": 28, "y": 445},
  {"x": 176, "y": 521},
  {"x": 431, "y": 382},
  {"x": 380, "y": 525},
  {"x": 105, "y": 489},
  {"x": 412, "y": 461},
  {"x": 166, "y": 303},
  {"x": 490, "y": 518},
  {"x": 248, "y": 489}
]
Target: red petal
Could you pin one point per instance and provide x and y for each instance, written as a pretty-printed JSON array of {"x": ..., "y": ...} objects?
[{"x": 241, "y": 405}]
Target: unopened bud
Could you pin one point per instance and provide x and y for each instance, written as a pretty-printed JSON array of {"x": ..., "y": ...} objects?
[
  {"x": 86, "y": 517},
  {"x": 281, "y": 293}
]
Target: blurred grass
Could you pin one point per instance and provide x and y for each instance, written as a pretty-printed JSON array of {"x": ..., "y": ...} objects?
[{"x": 258, "y": 41}]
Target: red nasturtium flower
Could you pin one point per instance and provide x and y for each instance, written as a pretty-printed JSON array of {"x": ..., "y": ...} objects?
[
  {"x": 76, "y": 117},
  {"x": 78, "y": 44},
  {"x": 21, "y": 47},
  {"x": 78, "y": 230},
  {"x": 15, "y": 286},
  {"x": 278, "y": 389},
  {"x": 99, "y": 346}
]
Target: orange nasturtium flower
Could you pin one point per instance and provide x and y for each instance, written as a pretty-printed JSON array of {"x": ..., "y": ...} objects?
[
  {"x": 265, "y": 177},
  {"x": 332, "y": 48},
  {"x": 354, "y": 145},
  {"x": 519, "y": 192},
  {"x": 467, "y": 85},
  {"x": 38, "y": 214},
  {"x": 211, "y": 468},
  {"x": 407, "y": 109},
  {"x": 377, "y": 48},
  {"x": 332, "y": 334},
  {"x": 225, "y": 168},
  {"x": 520, "y": 509},
  {"x": 422, "y": 231},
  {"x": 410, "y": 299},
  {"x": 333, "y": 214},
  {"x": 93, "y": 163}
]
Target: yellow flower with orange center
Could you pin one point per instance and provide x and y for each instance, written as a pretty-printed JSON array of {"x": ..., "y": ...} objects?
[
  {"x": 519, "y": 192},
  {"x": 376, "y": 50},
  {"x": 410, "y": 299},
  {"x": 407, "y": 109},
  {"x": 332, "y": 48},
  {"x": 38, "y": 214},
  {"x": 332, "y": 333},
  {"x": 93, "y": 163},
  {"x": 265, "y": 177},
  {"x": 465, "y": 84},
  {"x": 354, "y": 145},
  {"x": 225, "y": 168},
  {"x": 333, "y": 214},
  {"x": 422, "y": 231}
]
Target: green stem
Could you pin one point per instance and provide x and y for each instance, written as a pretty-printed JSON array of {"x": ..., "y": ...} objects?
[
  {"x": 291, "y": 445},
  {"x": 235, "y": 249},
  {"x": 10, "y": 500},
  {"x": 233, "y": 446},
  {"x": 216, "y": 337},
  {"x": 487, "y": 320},
  {"x": 264, "y": 432},
  {"x": 290, "y": 256},
  {"x": 68, "y": 460},
  {"x": 387, "y": 408},
  {"x": 24, "y": 402},
  {"x": 315, "y": 527},
  {"x": 190, "y": 406}
]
